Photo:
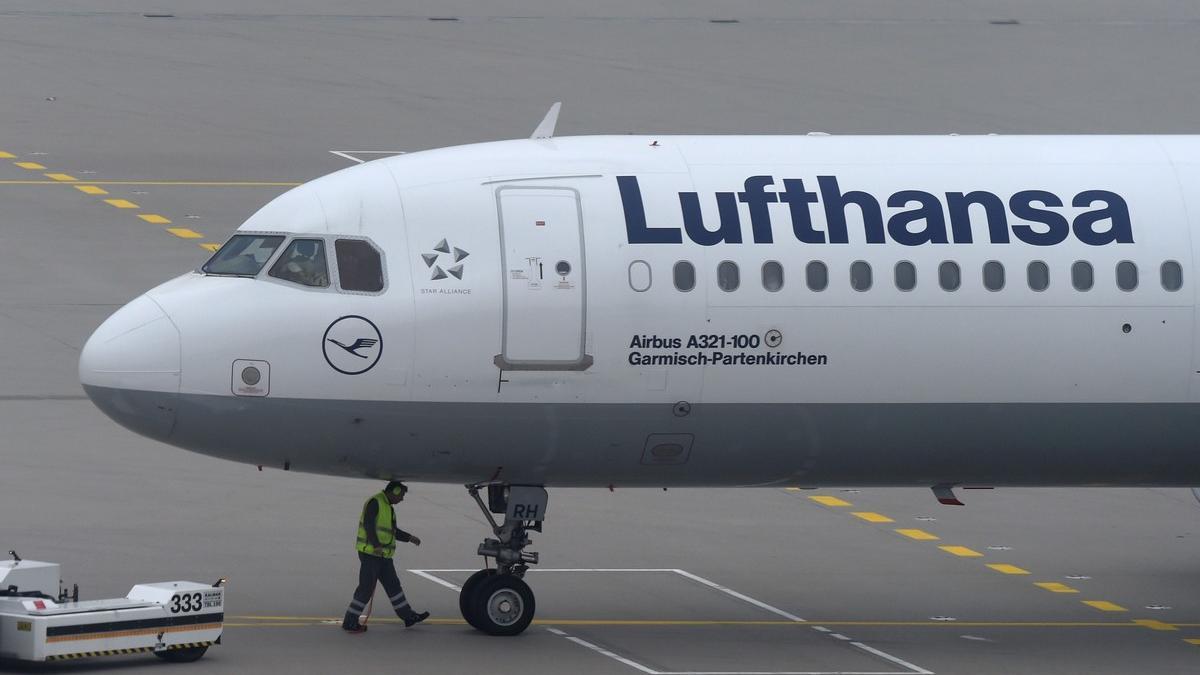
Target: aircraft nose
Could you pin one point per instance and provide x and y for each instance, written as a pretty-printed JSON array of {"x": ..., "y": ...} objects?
[{"x": 130, "y": 368}]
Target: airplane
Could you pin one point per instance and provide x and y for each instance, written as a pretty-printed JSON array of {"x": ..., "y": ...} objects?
[{"x": 661, "y": 311}]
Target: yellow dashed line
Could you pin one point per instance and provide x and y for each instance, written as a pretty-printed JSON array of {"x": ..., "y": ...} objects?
[
  {"x": 210, "y": 247},
  {"x": 154, "y": 218},
  {"x": 32, "y": 166},
  {"x": 826, "y": 500},
  {"x": 65, "y": 177},
  {"x": 962, "y": 551},
  {"x": 920, "y": 535},
  {"x": 184, "y": 233},
  {"x": 121, "y": 203},
  {"x": 1055, "y": 587},
  {"x": 871, "y": 517},
  {"x": 1005, "y": 568},
  {"x": 91, "y": 190},
  {"x": 1153, "y": 624},
  {"x": 1105, "y": 606},
  {"x": 7, "y": 155}
]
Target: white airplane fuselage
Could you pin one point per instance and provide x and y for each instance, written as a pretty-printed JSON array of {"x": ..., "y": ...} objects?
[{"x": 536, "y": 326}]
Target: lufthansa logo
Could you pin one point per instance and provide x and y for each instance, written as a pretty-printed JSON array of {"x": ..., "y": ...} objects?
[{"x": 352, "y": 345}]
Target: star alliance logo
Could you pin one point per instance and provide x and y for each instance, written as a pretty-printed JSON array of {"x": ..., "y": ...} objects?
[{"x": 442, "y": 248}]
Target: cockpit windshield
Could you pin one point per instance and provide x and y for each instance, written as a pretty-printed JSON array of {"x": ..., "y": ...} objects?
[{"x": 243, "y": 255}]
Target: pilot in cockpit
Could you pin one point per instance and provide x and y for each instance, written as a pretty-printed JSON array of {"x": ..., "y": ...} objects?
[{"x": 305, "y": 264}]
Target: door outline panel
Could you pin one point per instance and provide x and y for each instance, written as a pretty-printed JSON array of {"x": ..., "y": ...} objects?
[{"x": 584, "y": 361}]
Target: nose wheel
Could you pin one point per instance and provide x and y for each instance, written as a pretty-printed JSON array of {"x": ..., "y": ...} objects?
[
  {"x": 498, "y": 601},
  {"x": 498, "y": 604}
]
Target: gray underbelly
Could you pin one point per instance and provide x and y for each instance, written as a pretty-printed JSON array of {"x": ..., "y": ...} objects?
[{"x": 582, "y": 444}]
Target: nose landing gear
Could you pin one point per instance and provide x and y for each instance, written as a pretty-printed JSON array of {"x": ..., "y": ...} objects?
[{"x": 498, "y": 601}]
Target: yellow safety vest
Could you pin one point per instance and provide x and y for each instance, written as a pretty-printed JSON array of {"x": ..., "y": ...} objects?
[{"x": 385, "y": 529}]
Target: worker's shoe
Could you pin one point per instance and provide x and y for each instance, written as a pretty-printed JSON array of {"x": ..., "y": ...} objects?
[
  {"x": 413, "y": 618},
  {"x": 350, "y": 624}
]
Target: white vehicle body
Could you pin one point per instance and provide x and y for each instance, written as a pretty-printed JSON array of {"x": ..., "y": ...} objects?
[
  {"x": 486, "y": 360},
  {"x": 177, "y": 620}
]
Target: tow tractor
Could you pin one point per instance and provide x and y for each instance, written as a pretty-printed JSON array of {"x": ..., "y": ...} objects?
[{"x": 39, "y": 621}]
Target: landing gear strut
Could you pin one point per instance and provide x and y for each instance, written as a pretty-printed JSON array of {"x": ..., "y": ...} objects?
[{"x": 497, "y": 600}]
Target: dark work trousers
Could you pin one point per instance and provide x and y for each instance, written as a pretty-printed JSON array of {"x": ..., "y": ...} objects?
[{"x": 371, "y": 569}]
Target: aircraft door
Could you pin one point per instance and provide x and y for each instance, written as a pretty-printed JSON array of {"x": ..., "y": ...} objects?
[{"x": 544, "y": 281}]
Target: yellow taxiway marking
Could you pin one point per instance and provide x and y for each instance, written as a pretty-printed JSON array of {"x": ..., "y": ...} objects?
[
  {"x": 121, "y": 203},
  {"x": 183, "y": 183},
  {"x": 7, "y": 155},
  {"x": 61, "y": 177},
  {"x": 872, "y": 517},
  {"x": 154, "y": 218},
  {"x": 1192, "y": 641},
  {"x": 32, "y": 166},
  {"x": 1153, "y": 624},
  {"x": 184, "y": 233},
  {"x": 962, "y": 551},
  {"x": 91, "y": 190},
  {"x": 1055, "y": 587},
  {"x": 919, "y": 535},
  {"x": 210, "y": 247},
  {"x": 317, "y": 620},
  {"x": 1105, "y": 606},
  {"x": 1005, "y": 568},
  {"x": 826, "y": 500}
]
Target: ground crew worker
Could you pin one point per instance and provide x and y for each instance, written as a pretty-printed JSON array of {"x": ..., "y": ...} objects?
[{"x": 377, "y": 536}]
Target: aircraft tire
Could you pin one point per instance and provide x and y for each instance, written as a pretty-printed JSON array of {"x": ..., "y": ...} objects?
[
  {"x": 466, "y": 599},
  {"x": 504, "y": 605}
]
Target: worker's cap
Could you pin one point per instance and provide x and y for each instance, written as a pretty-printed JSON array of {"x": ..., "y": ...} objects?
[{"x": 396, "y": 488}]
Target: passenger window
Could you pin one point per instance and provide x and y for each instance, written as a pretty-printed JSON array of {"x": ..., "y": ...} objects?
[
  {"x": 949, "y": 276},
  {"x": 359, "y": 266},
  {"x": 772, "y": 276},
  {"x": 1081, "y": 275},
  {"x": 639, "y": 276},
  {"x": 243, "y": 255},
  {"x": 860, "y": 275},
  {"x": 906, "y": 275},
  {"x": 1127, "y": 275},
  {"x": 685, "y": 276},
  {"x": 303, "y": 262},
  {"x": 1172, "y": 275},
  {"x": 993, "y": 275},
  {"x": 1038, "y": 274},
  {"x": 816, "y": 276},
  {"x": 728, "y": 276}
]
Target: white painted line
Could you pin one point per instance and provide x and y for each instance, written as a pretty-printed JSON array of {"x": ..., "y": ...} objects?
[
  {"x": 745, "y": 598},
  {"x": 917, "y": 670},
  {"x": 350, "y": 154},
  {"x": 436, "y": 580},
  {"x": 650, "y": 671},
  {"x": 616, "y": 657},
  {"x": 914, "y": 670}
]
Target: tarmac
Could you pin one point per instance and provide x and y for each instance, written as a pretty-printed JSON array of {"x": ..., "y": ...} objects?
[{"x": 168, "y": 112}]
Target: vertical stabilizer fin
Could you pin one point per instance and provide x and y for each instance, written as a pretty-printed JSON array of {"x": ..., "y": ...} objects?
[{"x": 546, "y": 128}]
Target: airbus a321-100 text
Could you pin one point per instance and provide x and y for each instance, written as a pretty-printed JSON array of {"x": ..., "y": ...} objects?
[{"x": 691, "y": 311}]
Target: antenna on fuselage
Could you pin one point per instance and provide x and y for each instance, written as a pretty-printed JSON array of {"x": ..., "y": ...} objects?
[{"x": 546, "y": 128}]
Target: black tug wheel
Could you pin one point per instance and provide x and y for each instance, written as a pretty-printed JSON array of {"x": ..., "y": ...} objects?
[
  {"x": 502, "y": 605},
  {"x": 181, "y": 655},
  {"x": 466, "y": 602}
]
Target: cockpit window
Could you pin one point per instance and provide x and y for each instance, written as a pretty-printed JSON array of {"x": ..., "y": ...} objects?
[
  {"x": 243, "y": 255},
  {"x": 359, "y": 266},
  {"x": 303, "y": 262}
]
